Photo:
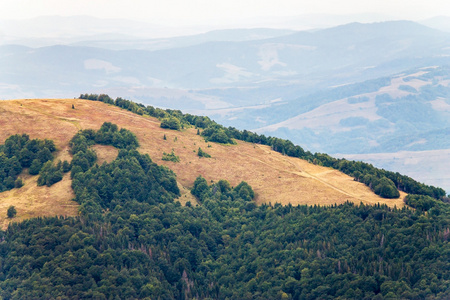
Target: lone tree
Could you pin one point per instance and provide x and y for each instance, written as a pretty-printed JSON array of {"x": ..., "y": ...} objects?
[{"x": 11, "y": 213}]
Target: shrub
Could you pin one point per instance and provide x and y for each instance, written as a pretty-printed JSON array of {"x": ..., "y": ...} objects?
[
  {"x": 171, "y": 123},
  {"x": 202, "y": 153},
  {"x": 170, "y": 157},
  {"x": 11, "y": 213}
]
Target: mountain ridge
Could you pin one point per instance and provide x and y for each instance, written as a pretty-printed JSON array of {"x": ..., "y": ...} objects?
[{"x": 274, "y": 177}]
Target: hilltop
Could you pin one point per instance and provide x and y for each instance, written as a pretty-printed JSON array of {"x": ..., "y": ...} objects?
[
  {"x": 139, "y": 234},
  {"x": 275, "y": 178}
]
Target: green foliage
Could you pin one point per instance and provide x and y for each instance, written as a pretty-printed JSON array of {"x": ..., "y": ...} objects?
[
  {"x": 202, "y": 153},
  {"x": 383, "y": 186},
  {"x": 421, "y": 202},
  {"x": 109, "y": 134},
  {"x": 170, "y": 157},
  {"x": 200, "y": 188},
  {"x": 228, "y": 249},
  {"x": 218, "y": 135},
  {"x": 35, "y": 167},
  {"x": 132, "y": 240},
  {"x": 221, "y": 190},
  {"x": 50, "y": 174},
  {"x": 130, "y": 177},
  {"x": 386, "y": 188},
  {"x": 171, "y": 123},
  {"x": 18, "y": 183},
  {"x": 224, "y": 186},
  {"x": 66, "y": 166},
  {"x": 20, "y": 152},
  {"x": 11, "y": 212},
  {"x": 244, "y": 191}
]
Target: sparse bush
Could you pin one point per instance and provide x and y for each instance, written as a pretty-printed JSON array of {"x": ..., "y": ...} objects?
[
  {"x": 18, "y": 183},
  {"x": 170, "y": 157},
  {"x": 202, "y": 153}
]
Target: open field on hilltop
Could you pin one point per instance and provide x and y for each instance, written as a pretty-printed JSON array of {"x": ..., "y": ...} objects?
[{"x": 274, "y": 177}]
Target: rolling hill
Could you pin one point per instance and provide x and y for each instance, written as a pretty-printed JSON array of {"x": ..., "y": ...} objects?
[
  {"x": 130, "y": 228},
  {"x": 274, "y": 177}
]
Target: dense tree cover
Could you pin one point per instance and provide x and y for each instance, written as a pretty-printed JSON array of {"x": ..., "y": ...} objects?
[
  {"x": 421, "y": 202},
  {"x": 50, "y": 174},
  {"x": 382, "y": 182},
  {"x": 132, "y": 240},
  {"x": 229, "y": 248},
  {"x": 19, "y": 152}
]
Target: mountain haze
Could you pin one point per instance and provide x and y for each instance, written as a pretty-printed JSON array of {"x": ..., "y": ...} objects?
[{"x": 295, "y": 85}]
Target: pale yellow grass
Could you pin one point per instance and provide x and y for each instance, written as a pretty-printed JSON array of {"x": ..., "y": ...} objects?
[
  {"x": 33, "y": 201},
  {"x": 274, "y": 177},
  {"x": 105, "y": 153}
]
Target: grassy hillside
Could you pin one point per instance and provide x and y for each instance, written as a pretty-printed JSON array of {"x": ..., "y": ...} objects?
[
  {"x": 132, "y": 239},
  {"x": 274, "y": 177}
]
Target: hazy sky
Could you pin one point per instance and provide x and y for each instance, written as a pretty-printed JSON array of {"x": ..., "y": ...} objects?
[{"x": 194, "y": 12}]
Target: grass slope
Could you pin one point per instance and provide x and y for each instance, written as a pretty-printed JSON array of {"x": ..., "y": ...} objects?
[{"x": 274, "y": 177}]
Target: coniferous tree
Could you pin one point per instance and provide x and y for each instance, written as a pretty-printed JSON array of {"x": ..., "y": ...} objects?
[{"x": 11, "y": 213}]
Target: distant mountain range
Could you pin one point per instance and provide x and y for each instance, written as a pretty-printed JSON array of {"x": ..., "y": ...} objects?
[{"x": 351, "y": 89}]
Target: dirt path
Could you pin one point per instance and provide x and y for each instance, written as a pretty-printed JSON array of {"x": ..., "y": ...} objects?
[{"x": 333, "y": 179}]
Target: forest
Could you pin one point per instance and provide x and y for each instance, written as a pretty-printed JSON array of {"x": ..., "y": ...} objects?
[{"x": 133, "y": 240}]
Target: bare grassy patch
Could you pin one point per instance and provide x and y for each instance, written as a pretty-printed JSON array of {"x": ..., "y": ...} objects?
[
  {"x": 105, "y": 153},
  {"x": 33, "y": 201}
]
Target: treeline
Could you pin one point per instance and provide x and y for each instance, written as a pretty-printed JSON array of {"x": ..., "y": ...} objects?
[
  {"x": 20, "y": 152},
  {"x": 384, "y": 183},
  {"x": 133, "y": 241}
]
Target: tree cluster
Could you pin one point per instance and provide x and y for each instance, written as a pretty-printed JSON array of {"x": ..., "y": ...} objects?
[
  {"x": 51, "y": 174},
  {"x": 19, "y": 152},
  {"x": 170, "y": 157},
  {"x": 171, "y": 123}
]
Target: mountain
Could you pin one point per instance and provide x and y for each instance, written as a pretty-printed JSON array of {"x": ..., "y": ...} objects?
[
  {"x": 225, "y": 35},
  {"x": 72, "y": 28},
  {"x": 275, "y": 178},
  {"x": 304, "y": 60},
  {"x": 439, "y": 22},
  {"x": 406, "y": 113},
  {"x": 271, "y": 81},
  {"x": 201, "y": 217}
]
